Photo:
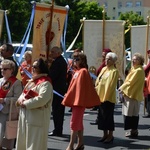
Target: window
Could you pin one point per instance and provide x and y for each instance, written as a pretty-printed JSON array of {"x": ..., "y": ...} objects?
[
  {"x": 129, "y": 4},
  {"x": 119, "y": 4},
  {"x": 105, "y": 4},
  {"x": 114, "y": 8},
  {"x": 139, "y": 13},
  {"x": 119, "y": 14},
  {"x": 113, "y": 18},
  {"x": 137, "y": 4}
]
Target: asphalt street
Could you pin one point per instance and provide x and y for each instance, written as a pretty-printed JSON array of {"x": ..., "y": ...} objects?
[{"x": 92, "y": 134}]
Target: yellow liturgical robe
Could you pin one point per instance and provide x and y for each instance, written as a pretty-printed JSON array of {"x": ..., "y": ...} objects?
[
  {"x": 106, "y": 84},
  {"x": 134, "y": 83}
]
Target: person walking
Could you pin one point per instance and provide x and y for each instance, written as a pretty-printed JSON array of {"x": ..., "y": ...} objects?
[
  {"x": 58, "y": 75},
  {"x": 132, "y": 91},
  {"x": 105, "y": 86}
]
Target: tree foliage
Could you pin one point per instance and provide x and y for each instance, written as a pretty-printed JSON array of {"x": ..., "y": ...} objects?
[
  {"x": 133, "y": 19},
  {"x": 78, "y": 10},
  {"x": 18, "y": 17},
  {"x": 20, "y": 11}
]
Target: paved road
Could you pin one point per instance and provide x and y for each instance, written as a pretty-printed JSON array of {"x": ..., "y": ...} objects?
[{"x": 92, "y": 134}]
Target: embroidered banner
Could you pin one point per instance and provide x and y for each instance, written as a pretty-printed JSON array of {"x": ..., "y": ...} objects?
[
  {"x": 138, "y": 40},
  {"x": 114, "y": 39},
  {"x": 41, "y": 32},
  {"x": 1, "y": 21}
]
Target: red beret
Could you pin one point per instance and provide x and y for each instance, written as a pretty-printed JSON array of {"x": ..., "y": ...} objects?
[{"x": 106, "y": 50}]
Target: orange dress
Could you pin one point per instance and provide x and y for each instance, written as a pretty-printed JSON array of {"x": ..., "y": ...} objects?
[
  {"x": 26, "y": 65},
  {"x": 81, "y": 91}
]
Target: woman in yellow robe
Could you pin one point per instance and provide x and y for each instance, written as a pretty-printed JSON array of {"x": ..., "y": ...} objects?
[
  {"x": 106, "y": 89},
  {"x": 132, "y": 90}
]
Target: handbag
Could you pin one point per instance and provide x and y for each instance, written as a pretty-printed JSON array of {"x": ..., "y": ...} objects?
[{"x": 11, "y": 126}]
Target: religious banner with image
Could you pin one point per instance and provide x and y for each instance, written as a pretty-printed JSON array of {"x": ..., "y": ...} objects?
[
  {"x": 138, "y": 40},
  {"x": 1, "y": 21},
  {"x": 41, "y": 31},
  {"x": 114, "y": 39}
]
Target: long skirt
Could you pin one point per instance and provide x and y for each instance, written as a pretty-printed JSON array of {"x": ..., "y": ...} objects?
[
  {"x": 130, "y": 110},
  {"x": 106, "y": 116}
]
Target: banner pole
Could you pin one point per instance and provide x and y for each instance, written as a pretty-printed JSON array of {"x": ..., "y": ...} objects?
[
  {"x": 49, "y": 29},
  {"x": 147, "y": 38},
  {"x": 103, "y": 39}
]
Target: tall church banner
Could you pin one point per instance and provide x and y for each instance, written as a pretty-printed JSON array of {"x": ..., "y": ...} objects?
[
  {"x": 1, "y": 21},
  {"x": 138, "y": 40},
  {"x": 114, "y": 40},
  {"x": 41, "y": 40}
]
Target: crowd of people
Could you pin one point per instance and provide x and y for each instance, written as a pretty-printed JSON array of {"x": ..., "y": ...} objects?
[{"x": 36, "y": 100}]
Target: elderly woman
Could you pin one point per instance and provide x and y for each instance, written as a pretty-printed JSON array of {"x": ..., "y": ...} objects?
[
  {"x": 26, "y": 66},
  {"x": 106, "y": 89},
  {"x": 10, "y": 90},
  {"x": 80, "y": 95},
  {"x": 35, "y": 109},
  {"x": 132, "y": 91}
]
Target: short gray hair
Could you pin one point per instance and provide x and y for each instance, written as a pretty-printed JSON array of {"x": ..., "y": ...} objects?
[
  {"x": 139, "y": 57},
  {"x": 57, "y": 49},
  {"x": 10, "y": 63},
  {"x": 113, "y": 56}
]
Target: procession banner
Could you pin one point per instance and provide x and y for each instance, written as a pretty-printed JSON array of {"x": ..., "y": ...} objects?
[
  {"x": 1, "y": 21},
  {"x": 138, "y": 40},
  {"x": 41, "y": 31},
  {"x": 114, "y": 40}
]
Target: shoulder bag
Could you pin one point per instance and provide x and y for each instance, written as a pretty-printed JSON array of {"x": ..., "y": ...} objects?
[{"x": 11, "y": 126}]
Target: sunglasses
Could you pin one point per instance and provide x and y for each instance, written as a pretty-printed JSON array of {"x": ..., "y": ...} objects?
[{"x": 4, "y": 69}]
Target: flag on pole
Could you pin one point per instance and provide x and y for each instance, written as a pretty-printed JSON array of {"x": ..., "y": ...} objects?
[
  {"x": 41, "y": 30},
  {"x": 1, "y": 21}
]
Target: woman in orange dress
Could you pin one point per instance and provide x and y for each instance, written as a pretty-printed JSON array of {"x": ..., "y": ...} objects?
[{"x": 80, "y": 95}]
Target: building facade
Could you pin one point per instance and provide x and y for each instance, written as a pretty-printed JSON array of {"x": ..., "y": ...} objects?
[{"x": 114, "y": 8}]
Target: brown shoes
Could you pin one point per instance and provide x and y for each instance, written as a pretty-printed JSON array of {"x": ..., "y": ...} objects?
[{"x": 132, "y": 133}]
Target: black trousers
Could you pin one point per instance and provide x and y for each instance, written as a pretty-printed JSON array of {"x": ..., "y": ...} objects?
[
  {"x": 58, "y": 114},
  {"x": 106, "y": 116},
  {"x": 131, "y": 122}
]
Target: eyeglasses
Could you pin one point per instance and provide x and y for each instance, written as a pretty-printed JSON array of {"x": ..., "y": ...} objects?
[{"x": 4, "y": 69}]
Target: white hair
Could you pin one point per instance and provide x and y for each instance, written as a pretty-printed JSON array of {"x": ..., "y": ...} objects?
[{"x": 113, "y": 56}]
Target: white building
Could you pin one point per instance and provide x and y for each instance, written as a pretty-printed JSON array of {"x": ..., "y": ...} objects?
[{"x": 115, "y": 7}]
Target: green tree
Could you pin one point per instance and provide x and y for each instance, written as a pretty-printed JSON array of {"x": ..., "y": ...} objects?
[
  {"x": 78, "y": 10},
  {"x": 133, "y": 19},
  {"x": 18, "y": 17}
]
